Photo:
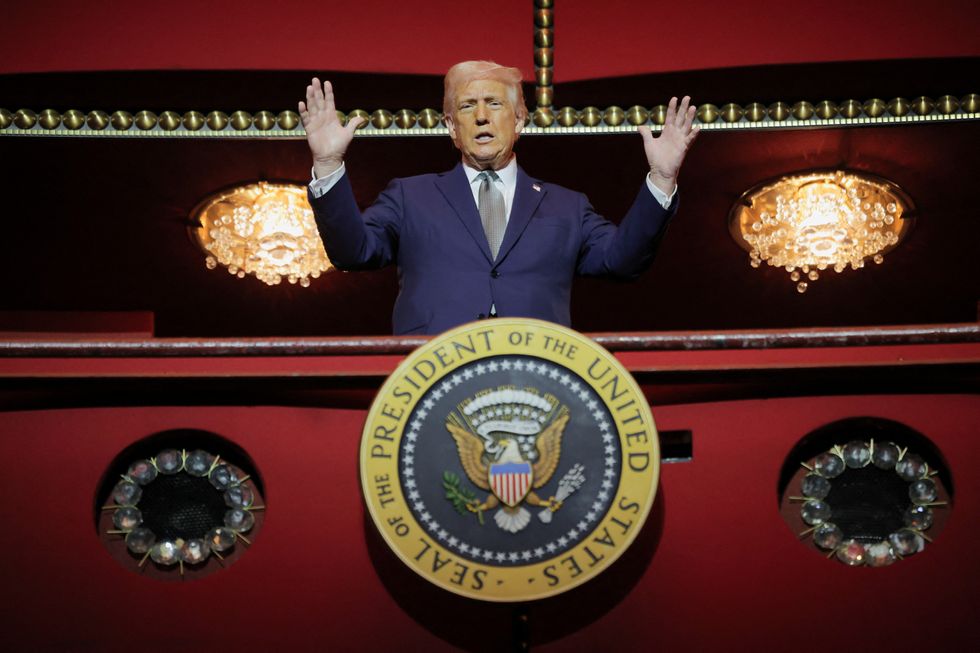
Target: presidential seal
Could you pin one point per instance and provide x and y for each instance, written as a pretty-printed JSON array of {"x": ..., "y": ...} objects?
[{"x": 509, "y": 460}]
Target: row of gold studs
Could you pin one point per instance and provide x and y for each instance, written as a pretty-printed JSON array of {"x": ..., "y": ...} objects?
[{"x": 543, "y": 117}]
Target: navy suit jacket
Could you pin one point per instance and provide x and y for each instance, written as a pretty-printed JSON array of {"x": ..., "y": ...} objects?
[{"x": 430, "y": 227}]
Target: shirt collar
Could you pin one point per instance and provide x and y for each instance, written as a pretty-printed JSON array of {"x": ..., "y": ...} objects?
[{"x": 507, "y": 174}]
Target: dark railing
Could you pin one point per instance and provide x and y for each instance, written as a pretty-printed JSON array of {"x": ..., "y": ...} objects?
[{"x": 94, "y": 347}]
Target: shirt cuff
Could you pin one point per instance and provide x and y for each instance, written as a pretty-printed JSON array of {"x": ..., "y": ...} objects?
[
  {"x": 320, "y": 187},
  {"x": 662, "y": 198}
]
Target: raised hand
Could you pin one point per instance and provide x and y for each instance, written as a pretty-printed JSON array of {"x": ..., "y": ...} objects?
[
  {"x": 665, "y": 154},
  {"x": 327, "y": 137}
]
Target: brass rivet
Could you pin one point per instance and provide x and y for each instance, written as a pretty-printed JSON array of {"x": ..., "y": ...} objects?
[
  {"x": 73, "y": 119},
  {"x": 970, "y": 103},
  {"x": 360, "y": 113},
  {"x": 6, "y": 119},
  {"x": 923, "y": 105},
  {"x": 802, "y": 110},
  {"x": 544, "y": 18},
  {"x": 381, "y": 119},
  {"x": 97, "y": 120},
  {"x": 850, "y": 108},
  {"x": 543, "y": 76},
  {"x": 874, "y": 108},
  {"x": 264, "y": 120},
  {"x": 779, "y": 111},
  {"x": 288, "y": 120},
  {"x": 590, "y": 116},
  {"x": 217, "y": 120},
  {"x": 169, "y": 120},
  {"x": 121, "y": 120},
  {"x": 543, "y": 57},
  {"x": 544, "y": 38},
  {"x": 898, "y": 107},
  {"x": 658, "y": 114},
  {"x": 567, "y": 117},
  {"x": 755, "y": 112},
  {"x": 193, "y": 120},
  {"x": 543, "y": 117},
  {"x": 825, "y": 110},
  {"x": 405, "y": 119},
  {"x": 24, "y": 118},
  {"x": 707, "y": 113},
  {"x": 731, "y": 112},
  {"x": 429, "y": 118},
  {"x": 240, "y": 120},
  {"x": 544, "y": 96},
  {"x": 637, "y": 115},
  {"x": 613, "y": 116},
  {"x": 947, "y": 104},
  {"x": 49, "y": 119},
  {"x": 146, "y": 120}
]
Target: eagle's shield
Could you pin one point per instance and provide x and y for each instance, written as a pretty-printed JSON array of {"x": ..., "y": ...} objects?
[{"x": 510, "y": 481}]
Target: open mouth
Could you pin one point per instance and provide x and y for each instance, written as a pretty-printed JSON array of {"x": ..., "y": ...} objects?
[{"x": 483, "y": 137}]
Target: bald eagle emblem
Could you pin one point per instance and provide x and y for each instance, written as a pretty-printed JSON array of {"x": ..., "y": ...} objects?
[{"x": 509, "y": 444}]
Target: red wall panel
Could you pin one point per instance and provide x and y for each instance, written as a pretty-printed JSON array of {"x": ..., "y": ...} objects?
[
  {"x": 593, "y": 39},
  {"x": 716, "y": 568},
  {"x": 621, "y": 37}
]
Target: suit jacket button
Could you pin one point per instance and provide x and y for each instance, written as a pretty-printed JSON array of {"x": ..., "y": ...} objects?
[{"x": 494, "y": 274}]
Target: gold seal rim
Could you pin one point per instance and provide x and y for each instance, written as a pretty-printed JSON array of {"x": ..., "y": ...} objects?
[{"x": 648, "y": 481}]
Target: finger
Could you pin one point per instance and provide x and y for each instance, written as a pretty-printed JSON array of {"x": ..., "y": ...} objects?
[
  {"x": 302, "y": 111},
  {"x": 311, "y": 102},
  {"x": 671, "y": 111},
  {"x": 691, "y": 136},
  {"x": 328, "y": 98},
  {"x": 646, "y": 134},
  {"x": 689, "y": 114},
  {"x": 682, "y": 111},
  {"x": 354, "y": 123}
]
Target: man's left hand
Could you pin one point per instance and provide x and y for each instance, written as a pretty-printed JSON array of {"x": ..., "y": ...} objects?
[{"x": 665, "y": 154}]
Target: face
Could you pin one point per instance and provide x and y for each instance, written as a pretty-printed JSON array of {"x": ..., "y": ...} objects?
[{"x": 484, "y": 125}]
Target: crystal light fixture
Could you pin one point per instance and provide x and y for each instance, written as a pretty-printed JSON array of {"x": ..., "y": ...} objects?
[
  {"x": 807, "y": 223},
  {"x": 263, "y": 229}
]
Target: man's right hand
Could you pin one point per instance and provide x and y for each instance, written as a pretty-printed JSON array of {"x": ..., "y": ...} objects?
[{"x": 327, "y": 137}]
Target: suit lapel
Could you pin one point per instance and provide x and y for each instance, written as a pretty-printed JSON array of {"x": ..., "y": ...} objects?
[
  {"x": 456, "y": 189},
  {"x": 527, "y": 196}
]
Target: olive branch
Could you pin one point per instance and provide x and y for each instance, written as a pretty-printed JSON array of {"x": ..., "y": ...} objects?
[{"x": 460, "y": 497}]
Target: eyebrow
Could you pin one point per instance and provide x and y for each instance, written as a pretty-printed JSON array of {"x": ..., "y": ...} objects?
[{"x": 473, "y": 98}]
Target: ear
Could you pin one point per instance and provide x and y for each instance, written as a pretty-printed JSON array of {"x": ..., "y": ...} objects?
[
  {"x": 518, "y": 125},
  {"x": 451, "y": 125}
]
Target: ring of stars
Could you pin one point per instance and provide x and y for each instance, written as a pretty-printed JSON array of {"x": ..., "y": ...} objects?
[{"x": 564, "y": 540}]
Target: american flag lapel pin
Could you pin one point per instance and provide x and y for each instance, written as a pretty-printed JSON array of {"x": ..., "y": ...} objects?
[{"x": 536, "y": 187}]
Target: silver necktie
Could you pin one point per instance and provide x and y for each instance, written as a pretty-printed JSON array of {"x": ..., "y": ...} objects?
[{"x": 493, "y": 215}]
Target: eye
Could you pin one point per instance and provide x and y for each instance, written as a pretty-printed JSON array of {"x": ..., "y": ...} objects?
[{"x": 466, "y": 106}]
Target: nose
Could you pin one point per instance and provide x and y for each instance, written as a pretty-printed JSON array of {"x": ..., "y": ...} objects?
[{"x": 482, "y": 117}]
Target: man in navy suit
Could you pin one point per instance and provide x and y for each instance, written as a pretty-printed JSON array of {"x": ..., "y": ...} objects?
[{"x": 484, "y": 238}]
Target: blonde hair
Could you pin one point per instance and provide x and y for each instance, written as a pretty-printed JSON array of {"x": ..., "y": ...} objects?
[{"x": 467, "y": 71}]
